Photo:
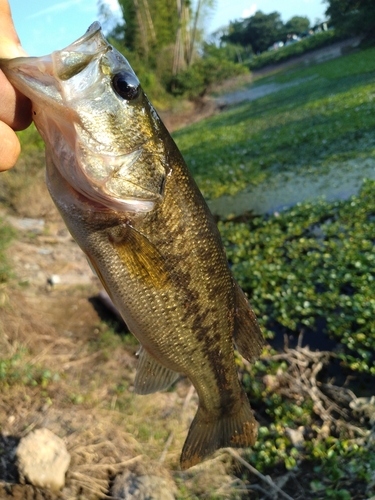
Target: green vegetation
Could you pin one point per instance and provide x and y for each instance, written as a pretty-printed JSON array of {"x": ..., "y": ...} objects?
[
  {"x": 6, "y": 235},
  {"x": 199, "y": 78},
  {"x": 327, "y": 121},
  {"x": 312, "y": 268},
  {"x": 165, "y": 41},
  {"x": 309, "y": 271},
  {"x": 352, "y": 18},
  {"x": 18, "y": 370},
  {"x": 285, "y": 53},
  {"x": 161, "y": 39},
  {"x": 262, "y": 30}
]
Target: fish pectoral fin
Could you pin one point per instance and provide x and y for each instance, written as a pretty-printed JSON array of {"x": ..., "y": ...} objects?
[
  {"x": 95, "y": 269},
  {"x": 151, "y": 376},
  {"x": 140, "y": 256},
  {"x": 208, "y": 433},
  {"x": 247, "y": 334}
]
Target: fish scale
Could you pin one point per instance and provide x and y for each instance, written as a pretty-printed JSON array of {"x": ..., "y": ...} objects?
[{"x": 129, "y": 200}]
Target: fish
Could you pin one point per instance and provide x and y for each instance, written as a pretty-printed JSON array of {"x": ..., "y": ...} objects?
[{"x": 132, "y": 205}]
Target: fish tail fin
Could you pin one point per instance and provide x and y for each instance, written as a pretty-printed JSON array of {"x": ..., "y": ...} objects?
[{"x": 207, "y": 434}]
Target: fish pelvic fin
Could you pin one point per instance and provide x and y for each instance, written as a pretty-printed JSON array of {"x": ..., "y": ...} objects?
[
  {"x": 247, "y": 334},
  {"x": 151, "y": 376},
  {"x": 208, "y": 433}
]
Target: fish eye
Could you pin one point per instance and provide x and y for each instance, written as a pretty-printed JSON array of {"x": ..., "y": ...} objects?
[{"x": 126, "y": 85}]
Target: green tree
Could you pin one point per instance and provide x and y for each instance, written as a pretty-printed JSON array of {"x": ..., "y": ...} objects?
[
  {"x": 149, "y": 26},
  {"x": 259, "y": 31},
  {"x": 297, "y": 25},
  {"x": 163, "y": 33},
  {"x": 352, "y": 17},
  {"x": 161, "y": 39}
]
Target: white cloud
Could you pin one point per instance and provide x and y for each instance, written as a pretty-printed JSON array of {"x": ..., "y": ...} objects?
[
  {"x": 250, "y": 11},
  {"x": 113, "y": 4}
]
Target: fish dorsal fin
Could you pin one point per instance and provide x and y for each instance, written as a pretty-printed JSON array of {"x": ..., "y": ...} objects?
[
  {"x": 151, "y": 376},
  {"x": 247, "y": 333},
  {"x": 140, "y": 256}
]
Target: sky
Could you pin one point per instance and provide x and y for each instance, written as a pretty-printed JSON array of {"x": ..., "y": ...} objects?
[{"x": 46, "y": 25}]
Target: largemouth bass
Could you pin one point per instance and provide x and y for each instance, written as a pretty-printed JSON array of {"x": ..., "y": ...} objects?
[{"x": 128, "y": 199}]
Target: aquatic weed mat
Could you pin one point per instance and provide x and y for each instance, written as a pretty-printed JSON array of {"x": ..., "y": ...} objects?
[
  {"x": 311, "y": 127},
  {"x": 309, "y": 273}
]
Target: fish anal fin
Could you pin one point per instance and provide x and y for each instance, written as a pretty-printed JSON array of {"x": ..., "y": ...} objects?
[
  {"x": 151, "y": 376},
  {"x": 247, "y": 333},
  {"x": 207, "y": 435},
  {"x": 141, "y": 257}
]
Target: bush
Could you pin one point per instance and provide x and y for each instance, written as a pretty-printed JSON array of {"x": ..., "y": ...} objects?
[
  {"x": 296, "y": 49},
  {"x": 202, "y": 75}
]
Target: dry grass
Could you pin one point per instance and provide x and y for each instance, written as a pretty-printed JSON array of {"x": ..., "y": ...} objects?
[{"x": 76, "y": 380}]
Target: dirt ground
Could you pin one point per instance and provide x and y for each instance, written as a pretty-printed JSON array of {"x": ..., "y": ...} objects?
[
  {"x": 71, "y": 372},
  {"x": 70, "y": 365}
]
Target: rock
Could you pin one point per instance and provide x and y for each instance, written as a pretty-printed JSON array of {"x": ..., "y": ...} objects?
[
  {"x": 54, "y": 279},
  {"x": 296, "y": 436},
  {"x": 130, "y": 486},
  {"x": 70, "y": 278},
  {"x": 35, "y": 226},
  {"x": 43, "y": 459}
]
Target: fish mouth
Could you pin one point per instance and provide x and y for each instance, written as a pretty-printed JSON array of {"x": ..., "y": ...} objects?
[
  {"x": 41, "y": 78},
  {"x": 53, "y": 82}
]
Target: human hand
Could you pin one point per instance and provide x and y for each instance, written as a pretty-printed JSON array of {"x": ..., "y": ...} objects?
[{"x": 15, "y": 108}]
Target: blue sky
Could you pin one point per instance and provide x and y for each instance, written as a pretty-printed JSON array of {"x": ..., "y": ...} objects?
[{"x": 45, "y": 25}]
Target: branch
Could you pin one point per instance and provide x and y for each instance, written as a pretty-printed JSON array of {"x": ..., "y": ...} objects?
[{"x": 254, "y": 471}]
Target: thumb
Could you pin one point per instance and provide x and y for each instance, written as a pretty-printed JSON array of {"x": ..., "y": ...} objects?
[{"x": 10, "y": 45}]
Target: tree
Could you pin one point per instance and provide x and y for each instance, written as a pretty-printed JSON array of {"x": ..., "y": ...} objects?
[
  {"x": 352, "y": 17},
  {"x": 160, "y": 38},
  {"x": 260, "y": 31},
  {"x": 149, "y": 26},
  {"x": 162, "y": 32},
  {"x": 297, "y": 25}
]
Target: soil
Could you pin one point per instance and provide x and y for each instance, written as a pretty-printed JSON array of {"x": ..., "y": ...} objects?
[{"x": 52, "y": 321}]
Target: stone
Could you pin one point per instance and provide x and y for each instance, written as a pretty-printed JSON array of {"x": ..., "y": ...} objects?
[
  {"x": 54, "y": 279},
  {"x": 42, "y": 459},
  {"x": 296, "y": 436},
  {"x": 35, "y": 226},
  {"x": 131, "y": 486}
]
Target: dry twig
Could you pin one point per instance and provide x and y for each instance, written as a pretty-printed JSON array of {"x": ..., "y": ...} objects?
[
  {"x": 300, "y": 380},
  {"x": 254, "y": 471}
]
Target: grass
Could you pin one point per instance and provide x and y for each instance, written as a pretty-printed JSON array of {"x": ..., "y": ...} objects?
[
  {"x": 320, "y": 123},
  {"x": 304, "y": 46},
  {"x": 6, "y": 235}
]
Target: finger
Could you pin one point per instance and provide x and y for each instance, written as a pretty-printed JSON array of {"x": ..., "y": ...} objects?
[
  {"x": 15, "y": 108},
  {"x": 9, "y": 147},
  {"x": 10, "y": 45}
]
